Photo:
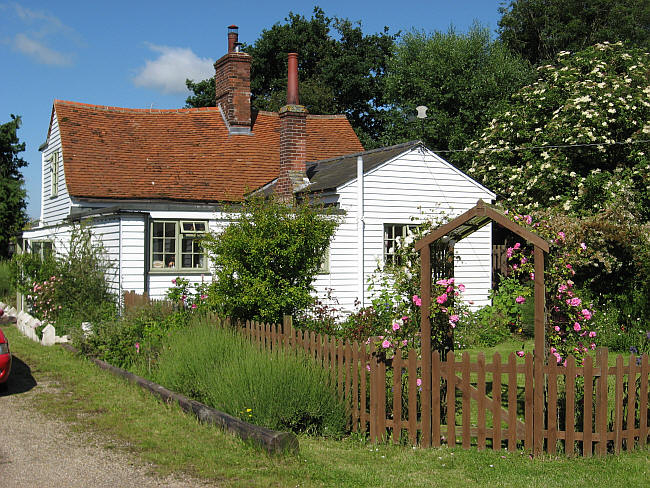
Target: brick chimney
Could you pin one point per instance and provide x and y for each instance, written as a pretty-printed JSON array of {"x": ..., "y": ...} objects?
[
  {"x": 232, "y": 81},
  {"x": 293, "y": 137}
]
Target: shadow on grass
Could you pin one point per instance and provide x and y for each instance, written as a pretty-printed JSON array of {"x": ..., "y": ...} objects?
[{"x": 20, "y": 379}]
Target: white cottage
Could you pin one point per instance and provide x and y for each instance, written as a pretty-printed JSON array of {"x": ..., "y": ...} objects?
[{"x": 152, "y": 182}]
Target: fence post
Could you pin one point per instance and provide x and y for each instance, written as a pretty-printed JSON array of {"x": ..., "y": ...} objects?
[
  {"x": 539, "y": 356},
  {"x": 601, "y": 400}
]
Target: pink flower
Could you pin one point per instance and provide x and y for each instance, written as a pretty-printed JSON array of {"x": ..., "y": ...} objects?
[
  {"x": 417, "y": 301},
  {"x": 583, "y": 246},
  {"x": 442, "y": 282},
  {"x": 553, "y": 350},
  {"x": 395, "y": 326},
  {"x": 367, "y": 367},
  {"x": 561, "y": 235},
  {"x": 586, "y": 313},
  {"x": 576, "y": 327},
  {"x": 517, "y": 245},
  {"x": 174, "y": 281},
  {"x": 137, "y": 347},
  {"x": 509, "y": 252},
  {"x": 452, "y": 324},
  {"x": 557, "y": 328},
  {"x": 454, "y": 318},
  {"x": 521, "y": 354},
  {"x": 405, "y": 342},
  {"x": 203, "y": 297},
  {"x": 442, "y": 298},
  {"x": 574, "y": 302},
  {"x": 592, "y": 334},
  {"x": 592, "y": 346},
  {"x": 557, "y": 357},
  {"x": 418, "y": 382},
  {"x": 528, "y": 219},
  {"x": 194, "y": 305},
  {"x": 532, "y": 276},
  {"x": 461, "y": 287},
  {"x": 385, "y": 344},
  {"x": 520, "y": 299},
  {"x": 449, "y": 289}
]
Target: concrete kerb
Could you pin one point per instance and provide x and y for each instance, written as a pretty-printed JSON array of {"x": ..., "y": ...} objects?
[{"x": 272, "y": 441}]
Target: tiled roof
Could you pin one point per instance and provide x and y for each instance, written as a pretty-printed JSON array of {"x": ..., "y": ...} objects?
[{"x": 184, "y": 154}]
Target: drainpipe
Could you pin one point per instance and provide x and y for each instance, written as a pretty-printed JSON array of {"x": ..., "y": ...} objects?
[{"x": 360, "y": 231}]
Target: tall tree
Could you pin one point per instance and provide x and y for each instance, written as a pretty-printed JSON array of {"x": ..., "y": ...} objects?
[
  {"x": 540, "y": 29},
  {"x": 576, "y": 139},
  {"x": 341, "y": 70},
  {"x": 461, "y": 78},
  {"x": 12, "y": 193}
]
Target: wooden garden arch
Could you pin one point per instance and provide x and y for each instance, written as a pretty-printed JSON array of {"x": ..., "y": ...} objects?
[{"x": 462, "y": 226}]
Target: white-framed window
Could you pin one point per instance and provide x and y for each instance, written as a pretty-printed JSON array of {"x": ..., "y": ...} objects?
[
  {"x": 175, "y": 245},
  {"x": 325, "y": 262},
  {"x": 54, "y": 174},
  {"x": 393, "y": 232},
  {"x": 44, "y": 249}
]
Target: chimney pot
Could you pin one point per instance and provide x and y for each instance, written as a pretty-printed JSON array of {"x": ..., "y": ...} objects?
[
  {"x": 292, "y": 80},
  {"x": 233, "y": 37}
]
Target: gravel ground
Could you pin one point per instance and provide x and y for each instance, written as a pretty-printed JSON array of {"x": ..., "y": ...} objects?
[{"x": 36, "y": 451}]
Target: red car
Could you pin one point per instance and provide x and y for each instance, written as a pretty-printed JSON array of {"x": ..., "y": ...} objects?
[{"x": 5, "y": 359}]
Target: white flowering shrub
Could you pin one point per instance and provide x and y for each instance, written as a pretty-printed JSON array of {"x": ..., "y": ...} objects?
[{"x": 575, "y": 139}]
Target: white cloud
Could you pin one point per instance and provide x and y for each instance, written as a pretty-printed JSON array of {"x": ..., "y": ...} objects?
[
  {"x": 40, "y": 52},
  {"x": 173, "y": 66}
]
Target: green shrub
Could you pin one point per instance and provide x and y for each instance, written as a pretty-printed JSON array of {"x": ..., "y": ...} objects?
[
  {"x": 136, "y": 336},
  {"x": 70, "y": 288},
  {"x": 221, "y": 368},
  {"x": 7, "y": 289}
]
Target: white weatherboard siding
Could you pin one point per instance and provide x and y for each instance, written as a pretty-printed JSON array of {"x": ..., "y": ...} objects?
[
  {"x": 53, "y": 210},
  {"x": 133, "y": 249},
  {"x": 414, "y": 184}
]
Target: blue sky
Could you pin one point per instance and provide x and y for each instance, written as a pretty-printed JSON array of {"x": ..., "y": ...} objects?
[{"x": 138, "y": 53}]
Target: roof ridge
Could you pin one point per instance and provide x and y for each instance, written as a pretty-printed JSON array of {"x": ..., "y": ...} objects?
[
  {"x": 109, "y": 108},
  {"x": 369, "y": 151}
]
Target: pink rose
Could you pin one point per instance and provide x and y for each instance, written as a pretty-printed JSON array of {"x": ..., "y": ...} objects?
[
  {"x": 576, "y": 327},
  {"x": 592, "y": 334},
  {"x": 442, "y": 282},
  {"x": 442, "y": 298},
  {"x": 395, "y": 326},
  {"x": 517, "y": 245},
  {"x": 385, "y": 344},
  {"x": 461, "y": 287},
  {"x": 454, "y": 318},
  {"x": 417, "y": 301},
  {"x": 586, "y": 314},
  {"x": 557, "y": 328},
  {"x": 418, "y": 382},
  {"x": 521, "y": 354},
  {"x": 520, "y": 299}
]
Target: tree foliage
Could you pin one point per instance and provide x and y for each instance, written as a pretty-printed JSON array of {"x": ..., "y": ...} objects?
[
  {"x": 574, "y": 139},
  {"x": 539, "y": 29},
  {"x": 461, "y": 78},
  {"x": 266, "y": 260},
  {"x": 341, "y": 69},
  {"x": 12, "y": 192}
]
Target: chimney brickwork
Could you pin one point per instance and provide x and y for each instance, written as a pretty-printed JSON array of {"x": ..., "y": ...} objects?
[
  {"x": 232, "y": 81},
  {"x": 293, "y": 137}
]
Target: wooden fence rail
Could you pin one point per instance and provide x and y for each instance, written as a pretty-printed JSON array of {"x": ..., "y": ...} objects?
[{"x": 587, "y": 409}]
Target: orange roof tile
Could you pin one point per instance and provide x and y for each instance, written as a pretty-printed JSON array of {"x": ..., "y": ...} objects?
[{"x": 183, "y": 154}]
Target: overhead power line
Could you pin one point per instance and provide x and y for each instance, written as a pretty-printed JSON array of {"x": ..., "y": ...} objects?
[{"x": 550, "y": 146}]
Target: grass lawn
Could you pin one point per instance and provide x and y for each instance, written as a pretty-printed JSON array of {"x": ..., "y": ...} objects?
[{"x": 130, "y": 419}]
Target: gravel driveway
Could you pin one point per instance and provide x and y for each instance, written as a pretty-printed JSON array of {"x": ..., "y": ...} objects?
[{"x": 36, "y": 451}]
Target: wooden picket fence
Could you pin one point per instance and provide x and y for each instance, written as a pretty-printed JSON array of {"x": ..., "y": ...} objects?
[
  {"x": 579, "y": 410},
  {"x": 131, "y": 300}
]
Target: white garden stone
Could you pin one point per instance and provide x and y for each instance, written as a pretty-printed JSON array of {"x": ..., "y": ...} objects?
[{"x": 49, "y": 335}]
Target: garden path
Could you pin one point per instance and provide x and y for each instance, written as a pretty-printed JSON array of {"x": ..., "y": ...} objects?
[{"x": 38, "y": 451}]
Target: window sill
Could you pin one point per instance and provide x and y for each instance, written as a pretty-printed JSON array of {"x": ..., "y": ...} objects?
[{"x": 176, "y": 271}]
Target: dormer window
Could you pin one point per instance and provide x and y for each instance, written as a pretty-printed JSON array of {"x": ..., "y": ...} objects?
[{"x": 54, "y": 175}]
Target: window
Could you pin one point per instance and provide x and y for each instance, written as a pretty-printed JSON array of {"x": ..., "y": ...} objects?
[
  {"x": 44, "y": 249},
  {"x": 393, "y": 232},
  {"x": 175, "y": 245},
  {"x": 325, "y": 262},
  {"x": 54, "y": 175}
]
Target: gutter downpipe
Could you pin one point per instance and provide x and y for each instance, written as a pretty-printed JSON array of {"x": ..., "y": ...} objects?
[{"x": 360, "y": 231}]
